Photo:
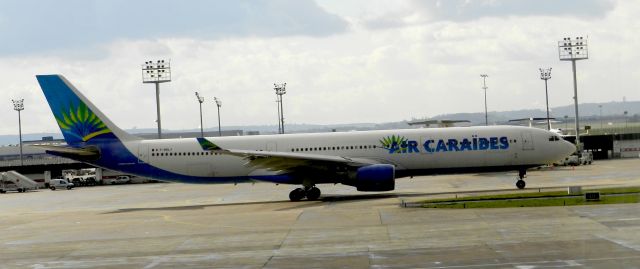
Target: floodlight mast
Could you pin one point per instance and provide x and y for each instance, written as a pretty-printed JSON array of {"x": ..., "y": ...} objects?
[
  {"x": 600, "y": 107},
  {"x": 574, "y": 50},
  {"x": 626, "y": 120},
  {"x": 218, "y": 104},
  {"x": 484, "y": 87},
  {"x": 280, "y": 89},
  {"x": 545, "y": 74},
  {"x": 278, "y": 106},
  {"x": 18, "y": 105},
  {"x": 200, "y": 100},
  {"x": 157, "y": 72}
]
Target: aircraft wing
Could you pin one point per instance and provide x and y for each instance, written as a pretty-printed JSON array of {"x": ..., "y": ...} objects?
[{"x": 285, "y": 161}]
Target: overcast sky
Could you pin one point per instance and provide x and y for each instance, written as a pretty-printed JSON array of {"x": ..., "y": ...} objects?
[{"x": 343, "y": 61}]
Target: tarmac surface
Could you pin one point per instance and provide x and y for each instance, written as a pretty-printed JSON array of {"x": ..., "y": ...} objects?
[{"x": 255, "y": 226}]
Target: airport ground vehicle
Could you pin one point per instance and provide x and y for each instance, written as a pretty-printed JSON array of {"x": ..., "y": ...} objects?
[
  {"x": 120, "y": 180},
  {"x": 82, "y": 181},
  {"x": 77, "y": 181},
  {"x": 572, "y": 160},
  {"x": 60, "y": 184},
  {"x": 586, "y": 158},
  {"x": 10, "y": 186},
  {"x": 14, "y": 181}
]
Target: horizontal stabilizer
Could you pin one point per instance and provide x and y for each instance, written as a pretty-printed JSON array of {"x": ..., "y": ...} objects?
[{"x": 88, "y": 153}]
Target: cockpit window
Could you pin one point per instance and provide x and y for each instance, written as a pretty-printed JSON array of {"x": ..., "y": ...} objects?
[{"x": 554, "y": 138}]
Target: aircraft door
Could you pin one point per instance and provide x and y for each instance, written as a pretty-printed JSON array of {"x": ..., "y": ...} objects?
[
  {"x": 527, "y": 141},
  {"x": 143, "y": 153}
]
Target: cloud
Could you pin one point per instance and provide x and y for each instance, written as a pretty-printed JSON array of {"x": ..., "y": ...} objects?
[
  {"x": 32, "y": 26},
  {"x": 430, "y": 11},
  {"x": 361, "y": 75}
]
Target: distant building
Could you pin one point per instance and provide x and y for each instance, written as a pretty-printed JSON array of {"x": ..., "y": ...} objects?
[{"x": 191, "y": 134}]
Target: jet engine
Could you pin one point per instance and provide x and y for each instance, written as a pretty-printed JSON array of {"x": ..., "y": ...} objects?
[{"x": 375, "y": 177}]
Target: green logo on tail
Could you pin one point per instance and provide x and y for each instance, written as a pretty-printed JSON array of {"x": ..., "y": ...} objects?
[{"x": 81, "y": 123}]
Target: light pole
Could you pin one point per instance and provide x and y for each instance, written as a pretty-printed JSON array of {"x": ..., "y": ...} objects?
[
  {"x": 600, "y": 107},
  {"x": 626, "y": 121},
  {"x": 157, "y": 72},
  {"x": 545, "y": 74},
  {"x": 278, "y": 106},
  {"x": 218, "y": 104},
  {"x": 484, "y": 86},
  {"x": 18, "y": 105},
  {"x": 281, "y": 89},
  {"x": 565, "y": 121},
  {"x": 200, "y": 100},
  {"x": 574, "y": 50}
]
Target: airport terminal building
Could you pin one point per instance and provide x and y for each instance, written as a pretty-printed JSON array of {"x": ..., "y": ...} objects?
[{"x": 610, "y": 143}]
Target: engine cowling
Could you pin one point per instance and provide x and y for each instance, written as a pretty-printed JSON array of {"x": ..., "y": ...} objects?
[{"x": 375, "y": 177}]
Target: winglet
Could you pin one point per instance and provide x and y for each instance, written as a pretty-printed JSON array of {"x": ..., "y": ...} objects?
[{"x": 207, "y": 145}]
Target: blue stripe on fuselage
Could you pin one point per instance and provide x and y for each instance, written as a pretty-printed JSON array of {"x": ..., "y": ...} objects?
[{"x": 115, "y": 156}]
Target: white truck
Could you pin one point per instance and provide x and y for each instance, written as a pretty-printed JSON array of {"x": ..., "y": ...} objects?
[
  {"x": 61, "y": 184},
  {"x": 124, "y": 179}
]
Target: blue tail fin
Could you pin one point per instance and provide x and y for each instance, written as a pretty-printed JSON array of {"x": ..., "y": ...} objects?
[{"x": 79, "y": 120}]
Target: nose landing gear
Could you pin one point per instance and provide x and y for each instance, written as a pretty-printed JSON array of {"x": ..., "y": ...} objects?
[
  {"x": 312, "y": 193},
  {"x": 520, "y": 183}
]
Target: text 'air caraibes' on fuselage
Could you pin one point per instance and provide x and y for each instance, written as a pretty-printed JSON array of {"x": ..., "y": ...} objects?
[{"x": 397, "y": 144}]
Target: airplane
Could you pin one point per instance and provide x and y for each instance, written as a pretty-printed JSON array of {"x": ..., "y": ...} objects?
[
  {"x": 366, "y": 160},
  {"x": 557, "y": 131},
  {"x": 440, "y": 123}
]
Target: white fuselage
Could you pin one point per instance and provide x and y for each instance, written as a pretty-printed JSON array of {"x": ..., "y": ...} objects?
[{"x": 526, "y": 147}]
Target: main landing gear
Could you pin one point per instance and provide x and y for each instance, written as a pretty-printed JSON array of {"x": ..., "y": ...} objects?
[
  {"x": 312, "y": 193},
  {"x": 520, "y": 183}
]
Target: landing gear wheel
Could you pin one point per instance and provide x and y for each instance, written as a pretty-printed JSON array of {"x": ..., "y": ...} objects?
[
  {"x": 313, "y": 194},
  {"x": 296, "y": 195},
  {"x": 521, "y": 174}
]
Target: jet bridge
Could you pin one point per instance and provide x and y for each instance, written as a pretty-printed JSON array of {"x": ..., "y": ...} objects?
[{"x": 14, "y": 181}]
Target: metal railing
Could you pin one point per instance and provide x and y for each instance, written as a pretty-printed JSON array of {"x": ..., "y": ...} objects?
[
  {"x": 606, "y": 131},
  {"x": 36, "y": 160}
]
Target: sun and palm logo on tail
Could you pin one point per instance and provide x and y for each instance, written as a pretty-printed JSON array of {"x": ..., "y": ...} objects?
[{"x": 80, "y": 122}]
